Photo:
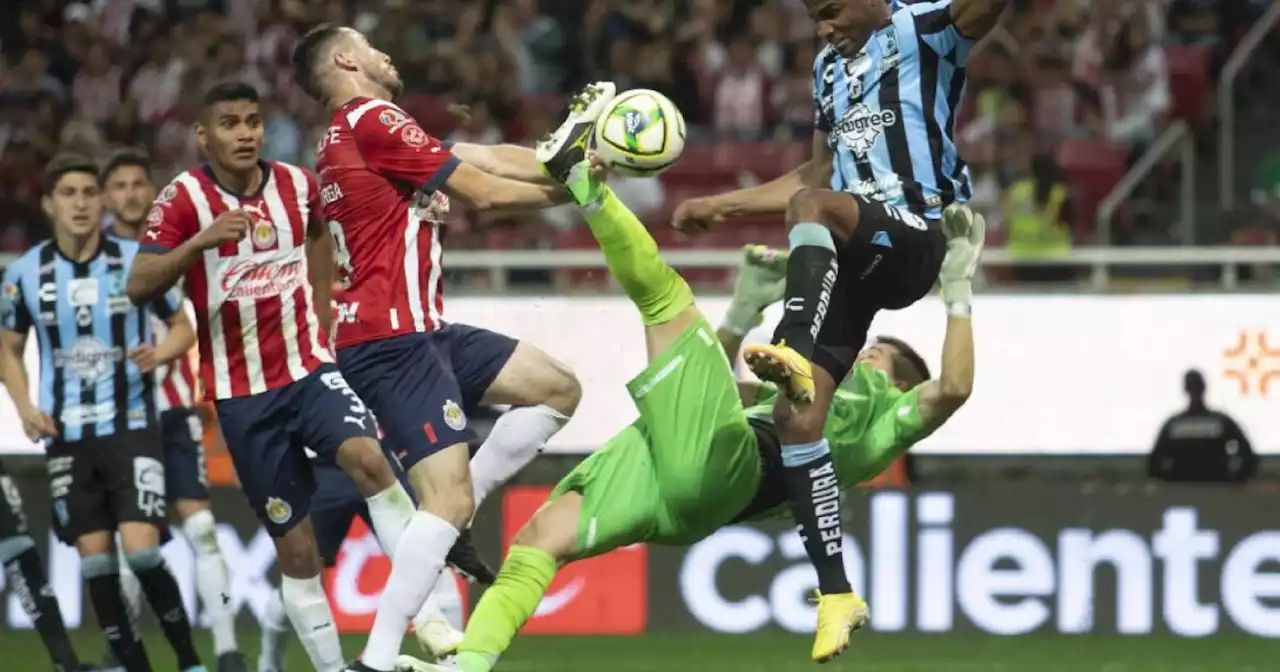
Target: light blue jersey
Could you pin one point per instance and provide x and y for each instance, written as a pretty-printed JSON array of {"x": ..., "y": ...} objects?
[
  {"x": 889, "y": 113},
  {"x": 85, "y": 326}
]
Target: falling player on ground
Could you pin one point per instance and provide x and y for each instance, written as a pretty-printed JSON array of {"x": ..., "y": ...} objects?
[
  {"x": 128, "y": 191},
  {"x": 863, "y": 219},
  {"x": 696, "y": 459},
  {"x": 386, "y": 184},
  {"x": 245, "y": 234},
  {"x": 96, "y": 410}
]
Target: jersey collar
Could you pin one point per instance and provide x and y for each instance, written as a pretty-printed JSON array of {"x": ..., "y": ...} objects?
[{"x": 262, "y": 184}]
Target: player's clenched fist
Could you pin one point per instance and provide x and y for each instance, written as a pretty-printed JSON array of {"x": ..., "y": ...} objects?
[
  {"x": 230, "y": 226},
  {"x": 697, "y": 215},
  {"x": 36, "y": 423}
]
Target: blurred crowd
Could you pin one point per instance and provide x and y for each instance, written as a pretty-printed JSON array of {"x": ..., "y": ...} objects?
[{"x": 102, "y": 74}]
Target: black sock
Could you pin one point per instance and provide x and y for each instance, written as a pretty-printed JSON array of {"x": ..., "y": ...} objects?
[
  {"x": 815, "y": 504},
  {"x": 27, "y": 579},
  {"x": 166, "y": 601},
  {"x": 811, "y": 277},
  {"x": 113, "y": 616}
]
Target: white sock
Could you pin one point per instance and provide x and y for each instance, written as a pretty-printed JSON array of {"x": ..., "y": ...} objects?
[
  {"x": 275, "y": 630},
  {"x": 448, "y": 599},
  {"x": 308, "y": 609},
  {"x": 516, "y": 438},
  {"x": 212, "y": 583},
  {"x": 417, "y": 562},
  {"x": 390, "y": 512},
  {"x": 130, "y": 588}
]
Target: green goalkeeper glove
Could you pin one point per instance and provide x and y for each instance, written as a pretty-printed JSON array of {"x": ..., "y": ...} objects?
[
  {"x": 965, "y": 231},
  {"x": 762, "y": 279}
]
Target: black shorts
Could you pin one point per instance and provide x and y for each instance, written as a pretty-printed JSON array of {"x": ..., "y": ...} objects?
[
  {"x": 13, "y": 520},
  {"x": 890, "y": 262},
  {"x": 97, "y": 484},
  {"x": 185, "y": 471}
]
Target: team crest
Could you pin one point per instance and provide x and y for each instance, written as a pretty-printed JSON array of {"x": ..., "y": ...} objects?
[
  {"x": 278, "y": 510},
  {"x": 169, "y": 193},
  {"x": 414, "y": 136},
  {"x": 155, "y": 216},
  {"x": 453, "y": 416},
  {"x": 264, "y": 235}
]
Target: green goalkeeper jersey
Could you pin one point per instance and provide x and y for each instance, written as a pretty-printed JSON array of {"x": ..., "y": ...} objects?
[{"x": 871, "y": 423}]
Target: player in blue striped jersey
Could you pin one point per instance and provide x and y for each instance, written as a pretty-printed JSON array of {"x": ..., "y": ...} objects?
[
  {"x": 97, "y": 402},
  {"x": 864, "y": 222}
]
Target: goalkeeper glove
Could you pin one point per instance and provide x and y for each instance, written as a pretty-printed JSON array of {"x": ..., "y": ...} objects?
[
  {"x": 762, "y": 279},
  {"x": 965, "y": 231}
]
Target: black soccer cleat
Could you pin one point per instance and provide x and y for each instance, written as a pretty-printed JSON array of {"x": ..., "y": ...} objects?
[{"x": 466, "y": 560}]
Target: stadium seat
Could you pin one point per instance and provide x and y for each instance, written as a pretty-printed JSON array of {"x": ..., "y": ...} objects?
[
  {"x": 1092, "y": 169},
  {"x": 1189, "y": 83}
]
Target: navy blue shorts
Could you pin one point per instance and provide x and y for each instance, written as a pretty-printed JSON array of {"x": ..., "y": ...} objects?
[
  {"x": 336, "y": 504},
  {"x": 185, "y": 471},
  {"x": 419, "y": 384},
  {"x": 266, "y": 434}
]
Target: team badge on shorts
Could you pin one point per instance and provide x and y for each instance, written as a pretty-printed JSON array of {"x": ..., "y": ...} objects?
[
  {"x": 278, "y": 510},
  {"x": 453, "y": 416}
]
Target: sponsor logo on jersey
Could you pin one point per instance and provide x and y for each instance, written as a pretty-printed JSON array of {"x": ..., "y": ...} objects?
[
  {"x": 167, "y": 194},
  {"x": 393, "y": 119},
  {"x": 861, "y": 128},
  {"x": 413, "y": 136},
  {"x": 605, "y": 595},
  {"x": 254, "y": 278},
  {"x": 89, "y": 358}
]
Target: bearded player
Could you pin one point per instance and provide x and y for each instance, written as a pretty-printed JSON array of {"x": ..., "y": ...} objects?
[
  {"x": 696, "y": 459},
  {"x": 386, "y": 185},
  {"x": 127, "y": 193},
  {"x": 863, "y": 223},
  {"x": 244, "y": 235}
]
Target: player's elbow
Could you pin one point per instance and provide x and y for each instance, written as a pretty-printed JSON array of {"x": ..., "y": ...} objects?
[
  {"x": 954, "y": 394},
  {"x": 136, "y": 288}
]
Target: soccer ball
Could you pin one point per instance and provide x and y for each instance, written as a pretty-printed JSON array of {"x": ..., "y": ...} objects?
[{"x": 640, "y": 134}]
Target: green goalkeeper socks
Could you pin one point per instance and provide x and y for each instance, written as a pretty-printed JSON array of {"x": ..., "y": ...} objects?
[
  {"x": 631, "y": 253},
  {"x": 505, "y": 607}
]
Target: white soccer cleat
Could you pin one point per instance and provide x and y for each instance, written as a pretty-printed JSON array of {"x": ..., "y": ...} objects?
[
  {"x": 568, "y": 144},
  {"x": 438, "y": 639},
  {"x": 410, "y": 664}
]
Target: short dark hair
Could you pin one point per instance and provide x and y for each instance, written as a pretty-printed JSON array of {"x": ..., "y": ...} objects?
[
  {"x": 227, "y": 92},
  {"x": 64, "y": 164},
  {"x": 908, "y": 366},
  {"x": 306, "y": 57},
  {"x": 129, "y": 156}
]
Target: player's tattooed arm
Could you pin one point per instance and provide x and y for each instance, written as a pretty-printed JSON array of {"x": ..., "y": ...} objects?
[
  {"x": 939, "y": 399},
  {"x": 482, "y": 191},
  {"x": 510, "y": 161},
  {"x": 975, "y": 18}
]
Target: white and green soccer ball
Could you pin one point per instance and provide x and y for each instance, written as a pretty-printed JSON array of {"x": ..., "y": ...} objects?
[{"x": 641, "y": 133}]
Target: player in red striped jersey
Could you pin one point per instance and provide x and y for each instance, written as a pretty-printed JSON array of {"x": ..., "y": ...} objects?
[
  {"x": 128, "y": 192},
  {"x": 245, "y": 235},
  {"x": 386, "y": 185}
]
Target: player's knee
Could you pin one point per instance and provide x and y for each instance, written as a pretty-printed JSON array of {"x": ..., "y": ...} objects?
[
  {"x": 99, "y": 564},
  {"x": 13, "y": 547},
  {"x": 797, "y": 424},
  {"x": 297, "y": 555},
  {"x": 563, "y": 390},
  {"x": 201, "y": 530},
  {"x": 547, "y": 538},
  {"x": 804, "y": 206},
  {"x": 363, "y": 460},
  {"x": 144, "y": 560}
]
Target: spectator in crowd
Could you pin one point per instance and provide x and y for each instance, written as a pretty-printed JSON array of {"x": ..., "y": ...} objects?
[
  {"x": 1037, "y": 214},
  {"x": 1200, "y": 445}
]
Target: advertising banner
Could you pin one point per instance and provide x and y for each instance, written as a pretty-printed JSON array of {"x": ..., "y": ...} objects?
[
  {"x": 1055, "y": 374},
  {"x": 998, "y": 560}
]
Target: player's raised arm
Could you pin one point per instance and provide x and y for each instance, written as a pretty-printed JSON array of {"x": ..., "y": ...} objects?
[
  {"x": 173, "y": 241},
  {"x": 952, "y": 27},
  {"x": 512, "y": 162},
  {"x": 939, "y": 399},
  {"x": 489, "y": 193},
  {"x": 761, "y": 279}
]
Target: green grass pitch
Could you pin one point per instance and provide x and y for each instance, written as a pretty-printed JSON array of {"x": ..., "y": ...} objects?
[{"x": 22, "y": 652}]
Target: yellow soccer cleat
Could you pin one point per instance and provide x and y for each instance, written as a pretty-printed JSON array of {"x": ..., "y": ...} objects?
[
  {"x": 839, "y": 616},
  {"x": 784, "y": 367}
]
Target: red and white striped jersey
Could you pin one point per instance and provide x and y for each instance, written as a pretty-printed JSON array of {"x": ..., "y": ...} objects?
[
  {"x": 255, "y": 316},
  {"x": 177, "y": 378},
  {"x": 380, "y": 174}
]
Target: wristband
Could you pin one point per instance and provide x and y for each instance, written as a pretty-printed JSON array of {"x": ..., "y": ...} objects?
[
  {"x": 741, "y": 318},
  {"x": 959, "y": 309}
]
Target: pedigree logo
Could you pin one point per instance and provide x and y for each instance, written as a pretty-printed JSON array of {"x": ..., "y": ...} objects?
[
  {"x": 605, "y": 595},
  {"x": 1251, "y": 365}
]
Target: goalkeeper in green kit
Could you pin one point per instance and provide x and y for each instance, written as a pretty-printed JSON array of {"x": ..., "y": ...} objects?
[{"x": 704, "y": 452}]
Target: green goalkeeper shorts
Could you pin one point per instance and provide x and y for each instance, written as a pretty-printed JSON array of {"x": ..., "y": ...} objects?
[{"x": 685, "y": 468}]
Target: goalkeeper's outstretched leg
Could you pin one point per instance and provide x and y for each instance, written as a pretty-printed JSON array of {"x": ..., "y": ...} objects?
[{"x": 662, "y": 296}]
